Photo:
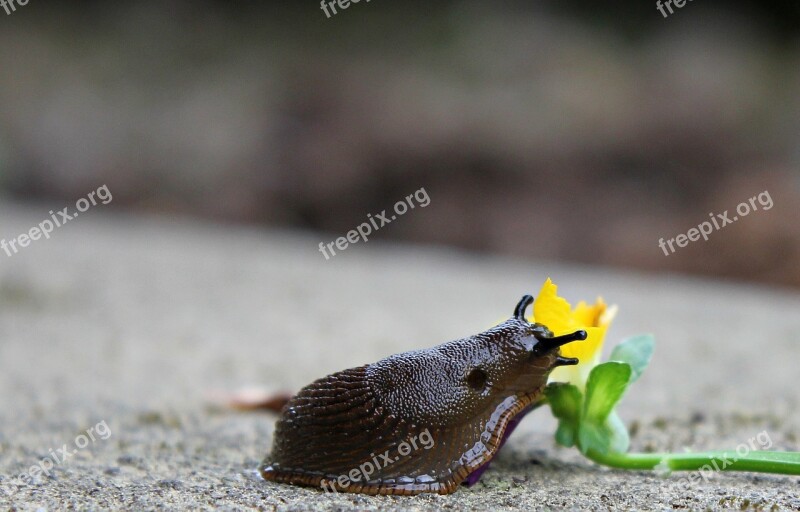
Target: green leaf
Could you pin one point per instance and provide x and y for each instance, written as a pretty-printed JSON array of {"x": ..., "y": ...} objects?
[
  {"x": 618, "y": 433},
  {"x": 636, "y": 351},
  {"x": 608, "y": 437},
  {"x": 566, "y": 402},
  {"x": 592, "y": 436},
  {"x": 566, "y": 434},
  {"x": 606, "y": 384},
  {"x": 600, "y": 429}
]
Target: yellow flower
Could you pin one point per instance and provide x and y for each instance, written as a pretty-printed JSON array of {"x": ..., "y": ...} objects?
[{"x": 557, "y": 315}]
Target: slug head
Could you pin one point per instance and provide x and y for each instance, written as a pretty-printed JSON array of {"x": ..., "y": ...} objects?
[{"x": 453, "y": 383}]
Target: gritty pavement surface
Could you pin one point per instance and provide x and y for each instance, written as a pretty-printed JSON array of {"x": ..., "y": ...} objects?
[{"x": 123, "y": 326}]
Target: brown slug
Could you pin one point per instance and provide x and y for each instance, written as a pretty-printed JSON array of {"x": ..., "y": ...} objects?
[{"x": 420, "y": 421}]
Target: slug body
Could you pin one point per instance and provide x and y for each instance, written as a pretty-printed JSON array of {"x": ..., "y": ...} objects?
[{"x": 420, "y": 421}]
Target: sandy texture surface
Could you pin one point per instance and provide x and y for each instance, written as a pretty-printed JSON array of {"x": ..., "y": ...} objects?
[{"x": 129, "y": 323}]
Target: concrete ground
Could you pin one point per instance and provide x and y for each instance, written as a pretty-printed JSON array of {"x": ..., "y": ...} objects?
[{"x": 130, "y": 322}]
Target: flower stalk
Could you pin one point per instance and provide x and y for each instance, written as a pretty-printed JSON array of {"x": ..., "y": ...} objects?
[{"x": 787, "y": 463}]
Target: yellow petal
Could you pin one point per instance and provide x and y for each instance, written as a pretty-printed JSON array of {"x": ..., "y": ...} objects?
[
  {"x": 586, "y": 350},
  {"x": 556, "y": 313},
  {"x": 607, "y": 316},
  {"x": 551, "y": 310},
  {"x": 589, "y": 315}
]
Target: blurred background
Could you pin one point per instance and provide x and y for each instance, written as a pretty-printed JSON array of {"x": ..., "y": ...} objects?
[{"x": 561, "y": 130}]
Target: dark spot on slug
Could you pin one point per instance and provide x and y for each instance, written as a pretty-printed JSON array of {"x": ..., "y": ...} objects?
[
  {"x": 477, "y": 379},
  {"x": 420, "y": 421}
]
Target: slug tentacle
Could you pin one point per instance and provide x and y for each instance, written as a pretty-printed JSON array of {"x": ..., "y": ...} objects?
[
  {"x": 566, "y": 361},
  {"x": 547, "y": 344},
  {"x": 522, "y": 305},
  {"x": 421, "y": 421}
]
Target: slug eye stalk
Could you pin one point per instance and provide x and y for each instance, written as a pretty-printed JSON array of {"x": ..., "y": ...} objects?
[
  {"x": 547, "y": 342},
  {"x": 522, "y": 305}
]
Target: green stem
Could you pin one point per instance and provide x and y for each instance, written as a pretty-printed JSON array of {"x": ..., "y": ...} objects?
[{"x": 787, "y": 463}]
